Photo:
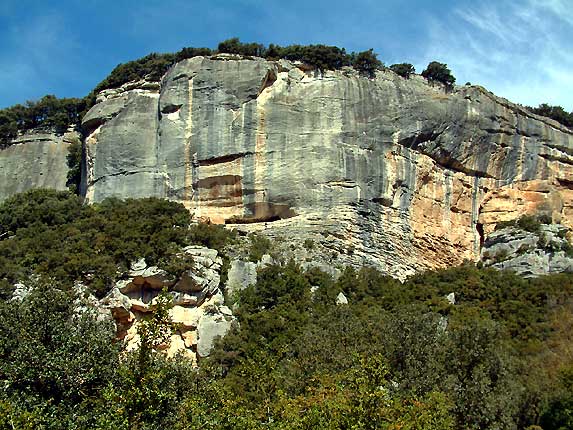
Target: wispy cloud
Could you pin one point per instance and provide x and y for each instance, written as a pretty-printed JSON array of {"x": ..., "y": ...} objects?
[
  {"x": 519, "y": 50},
  {"x": 36, "y": 52}
]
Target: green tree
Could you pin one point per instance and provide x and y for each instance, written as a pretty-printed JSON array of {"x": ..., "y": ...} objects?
[
  {"x": 74, "y": 161},
  {"x": 439, "y": 72},
  {"x": 559, "y": 413},
  {"x": 403, "y": 69},
  {"x": 55, "y": 357},
  {"x": 366, "y": 62}
]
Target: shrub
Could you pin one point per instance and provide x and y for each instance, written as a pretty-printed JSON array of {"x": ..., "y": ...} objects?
[
  {"x": 74, "y": 162},
  {"x": 554, "y": 112},
  {"x": 403, "y": 69},
  {"x": 366, "y": 62},
  {"x": 48, "y": 113},
  {"x": 260, "y": 245},
  {"x": 439, "y": 72}
]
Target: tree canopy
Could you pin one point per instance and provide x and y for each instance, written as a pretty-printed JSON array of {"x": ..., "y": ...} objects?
[
  {"x": 403, "y": 69},
  {"x": 439, "y": 72},
  {"x": 554, "y": 112}
]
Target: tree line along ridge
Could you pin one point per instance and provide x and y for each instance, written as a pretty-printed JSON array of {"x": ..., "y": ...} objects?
[{"x": 59, "y": 114}]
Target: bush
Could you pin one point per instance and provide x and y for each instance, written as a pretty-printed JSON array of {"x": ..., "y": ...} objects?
[
  {"x": 54, "y": 360},
  {"x": 48, "y": 113},
  {"x": 403, "y": 69},
  {"x": 74, "y": 162},
  {"x": 439, "y": 72},
  {"x": 366, "y": 62},
  {"x": 260, "y": 245},
  {"x": 234, "y": 46},
  {"x": 530, "y": 223},
  {"x": 554, "y": 112}
]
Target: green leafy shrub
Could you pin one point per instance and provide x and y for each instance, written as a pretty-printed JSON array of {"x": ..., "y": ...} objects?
[
  {"x": 554, "y": 112},
  {"x": 439, "y": 72},
  {"x": 403, "y": 69},
  {"x": 366, "y": 62},
  {"x": 48, "y": 113},
  {"x": 530, "y": 223},
  {"x": 74, "y": 162},
  {"x": 260, "y": 245}
]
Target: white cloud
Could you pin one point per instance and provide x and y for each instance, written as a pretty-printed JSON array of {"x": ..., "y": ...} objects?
[{"x": 519, "y": 50}]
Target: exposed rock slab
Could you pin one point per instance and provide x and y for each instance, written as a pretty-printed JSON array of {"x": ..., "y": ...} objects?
[
  {"x": 35, "y": 160},
  {"x": 388, "y": 172},
  {"x": 529, "y": 254},
  {"x": 199, "y": 316}
]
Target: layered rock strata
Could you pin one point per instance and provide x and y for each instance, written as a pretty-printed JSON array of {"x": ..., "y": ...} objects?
[
  {"x": 198, "y": 312},
  {"x": 391, "y": 172},
  {"x": 530, "y": 253}
]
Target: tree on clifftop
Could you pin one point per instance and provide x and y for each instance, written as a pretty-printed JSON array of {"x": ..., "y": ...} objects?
[
  {"x": 439, "y": 72},
  {"x": 366, "y": 62},
  {"x": 403, "y": 69}
]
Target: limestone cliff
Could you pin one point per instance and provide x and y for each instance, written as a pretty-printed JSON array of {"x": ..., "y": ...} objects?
[
  {"x": 386, "y": 171},
  {"x": 36, "y": 159}
]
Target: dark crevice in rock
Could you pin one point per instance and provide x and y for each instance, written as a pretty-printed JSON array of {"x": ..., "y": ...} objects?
[
  {"x": 219, "y": 181},
  {"x": 499, "y": 131},
  {"x": 263, "y": 212},
  {"x": 480, "y": 232},
  {"x": 122, "y": 173},
  {"x": 170, "y": 108},
  {"x": 268, "y": 81},
  {"x": 384, "y": 201},
  {"x": 567, "y": 183},
  {"x": 223, "y": 159},
  {"x": 555, "y": 158},
  {"x": 562, "y": 148},
  {"x": 88, "y": 127}
]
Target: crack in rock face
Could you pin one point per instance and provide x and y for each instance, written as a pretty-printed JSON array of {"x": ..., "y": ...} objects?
[{"x": 390, "y": 172}]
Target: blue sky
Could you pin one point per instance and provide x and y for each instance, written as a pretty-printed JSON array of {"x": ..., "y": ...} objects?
[{"x": 519, "y": 49}]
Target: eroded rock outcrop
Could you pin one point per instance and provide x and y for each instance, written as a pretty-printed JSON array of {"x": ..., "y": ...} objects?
[
  {"x": 36, "y": 159},
  {"x": 529, "y": 253},
  {"x": 198, "y": 310},
  {"x": 390, "y": 172}
]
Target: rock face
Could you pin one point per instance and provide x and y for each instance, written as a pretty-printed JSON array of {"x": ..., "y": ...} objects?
[
  {"x": 390, "y": 172},
  {"x": 198, "y": 312},
  {"x": 35, "y": 160},
  {"x": 527, "y": 253}
]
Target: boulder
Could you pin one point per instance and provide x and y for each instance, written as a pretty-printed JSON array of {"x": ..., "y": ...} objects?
[
  {"x": 211, "y": 326},
  {"x": 341, "y": 299},
  {"x": 241, "y": 274}
]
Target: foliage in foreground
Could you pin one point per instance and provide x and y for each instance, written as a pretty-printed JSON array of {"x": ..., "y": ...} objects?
[
  {"x": 398, "y": 356},
  {"x": 51, "y": 233}
]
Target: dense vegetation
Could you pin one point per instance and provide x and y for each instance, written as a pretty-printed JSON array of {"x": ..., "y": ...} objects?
[
  {"x": 554, "y": 112},
  {"x": 53, "y": 234},
  {"x": 439, "y": 72},
  {"x": 398, "y": 356},
  {"x": 48, "y": 113},
  {"x": 403, "y": 69}
]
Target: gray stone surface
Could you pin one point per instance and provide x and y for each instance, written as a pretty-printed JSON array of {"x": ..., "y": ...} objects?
[
  {"x": 387, "y": 172},
  {"x": 35, "y": 160},
  {"x": 241, "y": 274},
  {"x": 529, "y": 254},
  {"x": 211, "y": 326},
  {"x": 341, "y": 299}
]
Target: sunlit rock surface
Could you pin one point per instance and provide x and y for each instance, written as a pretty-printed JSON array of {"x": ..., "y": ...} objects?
[
  {"x": 36, "y": 159},
  {"x": 390, "y": 172}
]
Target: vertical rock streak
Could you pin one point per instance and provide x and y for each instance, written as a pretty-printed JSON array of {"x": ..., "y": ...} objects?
[{"x": 394, "y": 169}]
